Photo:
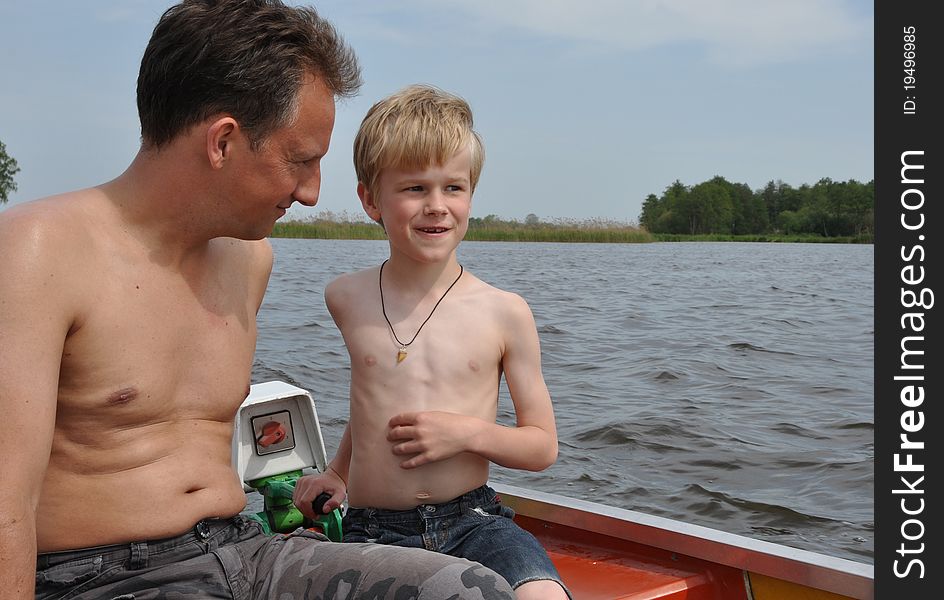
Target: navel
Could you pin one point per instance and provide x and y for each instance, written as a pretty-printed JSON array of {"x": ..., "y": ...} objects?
[
  {"x": 423, "y": 495},
  {"x": 123, "y": 396}
]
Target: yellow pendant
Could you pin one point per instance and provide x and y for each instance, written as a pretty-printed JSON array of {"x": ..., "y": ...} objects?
[{"x": 401, "y": 354}]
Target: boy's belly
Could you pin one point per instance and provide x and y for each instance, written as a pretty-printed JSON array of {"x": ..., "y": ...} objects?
[{"x": 376, "y": 479}]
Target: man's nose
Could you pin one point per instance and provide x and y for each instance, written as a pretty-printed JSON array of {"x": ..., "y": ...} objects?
[{"x": 308, "y": 188}]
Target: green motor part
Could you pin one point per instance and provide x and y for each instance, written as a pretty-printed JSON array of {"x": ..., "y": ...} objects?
[
  {"x": 285, "y": 519},
  {"x": 281, "y": 516},
  {"x": 330, "y": 524}
]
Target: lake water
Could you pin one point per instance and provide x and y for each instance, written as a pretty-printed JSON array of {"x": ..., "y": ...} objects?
[{"x": 728, "y": 385}]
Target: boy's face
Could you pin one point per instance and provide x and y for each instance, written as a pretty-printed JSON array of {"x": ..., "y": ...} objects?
[{"x": 425, "y": 212}]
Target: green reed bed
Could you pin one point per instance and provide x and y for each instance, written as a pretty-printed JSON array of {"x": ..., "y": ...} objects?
[
  {"x": 489, "y": 229},
  {"x": 329, "y": 230},
  {"x": 556, "y": 233}
]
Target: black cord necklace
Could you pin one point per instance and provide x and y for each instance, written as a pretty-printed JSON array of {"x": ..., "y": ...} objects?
[{"x": 401, "y": 352}]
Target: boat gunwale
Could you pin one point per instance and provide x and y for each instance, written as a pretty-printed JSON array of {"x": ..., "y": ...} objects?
[{"x": 803, "y": 567}]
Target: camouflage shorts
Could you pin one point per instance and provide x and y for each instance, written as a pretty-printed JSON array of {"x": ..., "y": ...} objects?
[{"x": 232, "y": 558}]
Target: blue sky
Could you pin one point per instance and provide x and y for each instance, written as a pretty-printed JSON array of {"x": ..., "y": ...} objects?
[{"x": 585, "y": 107}]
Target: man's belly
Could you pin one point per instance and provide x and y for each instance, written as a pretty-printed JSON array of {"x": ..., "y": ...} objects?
[{"x": 161, "y": 499}]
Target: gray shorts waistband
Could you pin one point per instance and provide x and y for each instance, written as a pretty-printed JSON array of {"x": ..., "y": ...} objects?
[{"x": 202, "y": 531}]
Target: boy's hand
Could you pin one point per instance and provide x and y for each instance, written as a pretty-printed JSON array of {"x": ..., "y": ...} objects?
[
  {"x": 308, "y": 487},
  {"x": 431, "y": 436}
]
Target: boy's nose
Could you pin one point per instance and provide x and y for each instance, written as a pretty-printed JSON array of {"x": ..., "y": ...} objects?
[{"x": 435, "y": 204}]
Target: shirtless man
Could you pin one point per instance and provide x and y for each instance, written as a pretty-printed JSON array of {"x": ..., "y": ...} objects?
[
  {"x": 128, "y": 326},
  {"x": 429, "y": 343}
]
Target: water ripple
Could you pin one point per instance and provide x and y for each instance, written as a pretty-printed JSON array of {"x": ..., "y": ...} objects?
[{"x": 727, "y": 385}]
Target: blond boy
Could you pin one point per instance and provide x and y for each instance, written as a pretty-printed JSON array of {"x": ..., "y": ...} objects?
[{"x": 429, "y": 343}]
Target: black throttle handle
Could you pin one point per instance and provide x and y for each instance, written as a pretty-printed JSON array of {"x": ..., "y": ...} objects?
[{"x": 318, "y": 503}]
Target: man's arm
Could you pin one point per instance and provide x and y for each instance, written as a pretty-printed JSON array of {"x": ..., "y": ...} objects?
[
  {"x": 262, "y": 261},
  {"x": 530, "y": 445},
  {"x": 33, "y": 328}
]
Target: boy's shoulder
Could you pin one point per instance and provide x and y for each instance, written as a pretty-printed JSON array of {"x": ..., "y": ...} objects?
[
  {"x": 499, "y": 297},
  {"x": 351, "y": 284},
  {"x": 348, "y": 289},
  {"x": 483, "y": 287},
  {"x": 354, "y": 279}
]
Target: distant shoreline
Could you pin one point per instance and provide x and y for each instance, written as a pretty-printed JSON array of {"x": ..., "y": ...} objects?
[{"x": 505, "y": 231}]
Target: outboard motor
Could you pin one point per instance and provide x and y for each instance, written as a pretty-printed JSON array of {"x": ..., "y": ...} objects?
[{"x": 276, "y": 436}]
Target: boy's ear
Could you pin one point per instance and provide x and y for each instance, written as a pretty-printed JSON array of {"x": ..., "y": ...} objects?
[
  {"x": 219, "y": 140},
  {"x": 368, "y": 201}
]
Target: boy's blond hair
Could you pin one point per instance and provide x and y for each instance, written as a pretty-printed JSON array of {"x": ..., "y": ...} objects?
[{"x": 418, "y": 126}]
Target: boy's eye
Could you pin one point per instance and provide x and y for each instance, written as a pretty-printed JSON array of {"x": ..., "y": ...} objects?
[
  {"x": 414, "y": 188},
  {"x": 454, "y": 188}
]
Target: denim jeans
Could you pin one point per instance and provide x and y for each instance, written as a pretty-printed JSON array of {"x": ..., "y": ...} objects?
[
  {"x": 234, "y": 559},
  {"x": 475, "y": 526}
]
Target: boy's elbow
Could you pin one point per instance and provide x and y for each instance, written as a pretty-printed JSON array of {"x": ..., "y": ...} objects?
[
  {"x": 552, "y": 455},
  {"x": 548, "y": 458}
]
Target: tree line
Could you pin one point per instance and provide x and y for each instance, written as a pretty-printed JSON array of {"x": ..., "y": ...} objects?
[
  {"x": 827, "y": 208},
  {"x": 8, "y": 168}
]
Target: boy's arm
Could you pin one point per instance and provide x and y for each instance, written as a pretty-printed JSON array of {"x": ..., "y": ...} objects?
[
  {"x": 530, "y": 445},
  {"x": 534, "y": 412},
  {"x": 333, "y": 481}
]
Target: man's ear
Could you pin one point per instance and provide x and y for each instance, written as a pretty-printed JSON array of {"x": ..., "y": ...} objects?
[
  {"x": 220, "y": 136},
  {"x": 368, "y": 201}
]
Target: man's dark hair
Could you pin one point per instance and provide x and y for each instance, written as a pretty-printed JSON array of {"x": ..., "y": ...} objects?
[{"x": 244, "y": 58}]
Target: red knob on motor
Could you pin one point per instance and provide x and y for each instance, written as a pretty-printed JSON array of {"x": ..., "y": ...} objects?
[{"x": 273, "y": 432}]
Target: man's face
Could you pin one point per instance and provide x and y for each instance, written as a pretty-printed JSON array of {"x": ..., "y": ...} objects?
[{"x": 287, "y": 166}]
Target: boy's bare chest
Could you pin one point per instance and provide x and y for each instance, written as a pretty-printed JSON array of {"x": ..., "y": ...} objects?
[{"x": 447, "y": 345}]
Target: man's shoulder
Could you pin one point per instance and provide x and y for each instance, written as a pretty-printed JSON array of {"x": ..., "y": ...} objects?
[
  {"x": 243, "y": 260},
  {"x": 43, "y": 210},
  {"x": 46, "y": 226},
  {"x": 48, "y": 244}
]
